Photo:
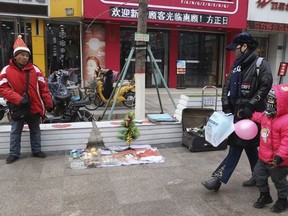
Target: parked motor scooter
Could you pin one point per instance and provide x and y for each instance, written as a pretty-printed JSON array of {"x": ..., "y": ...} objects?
[
  {"x": 65, "y": 109},
  {"x": 102, "y": 89},
  {"x": 3, "y": 109}
]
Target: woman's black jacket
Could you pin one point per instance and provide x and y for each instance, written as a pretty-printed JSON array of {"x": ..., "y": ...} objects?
[{"x": 254, "y": 90}]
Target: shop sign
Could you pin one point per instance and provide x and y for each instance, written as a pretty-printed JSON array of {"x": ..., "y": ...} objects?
[
  {"x": 269, "y": 11},
  {"x": 34, "y": 2},
  {"x": 141, "y": 37},
  {"x": 181, "y": 67},
  {"x": 275, "y": 5},
  {"x": 265, "y": 26},
  {"x": 224, "y": 13},
  {"x": 119, "y": 12},
  {"x": 25, "y": 8},
  {"x": 282, "y": 68},
  {"x": 219, "y": 6}
]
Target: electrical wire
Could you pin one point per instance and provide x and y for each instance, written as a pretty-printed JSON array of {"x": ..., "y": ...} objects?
[{"x": 107, "y": 11}]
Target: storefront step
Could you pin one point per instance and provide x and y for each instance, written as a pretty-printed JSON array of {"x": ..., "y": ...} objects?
[
  {"x": 55, "y": 137},
  {"x": 150, "y": 133}
]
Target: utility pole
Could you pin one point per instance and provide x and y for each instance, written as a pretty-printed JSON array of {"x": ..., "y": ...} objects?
[{"x": 141, "y": 61}]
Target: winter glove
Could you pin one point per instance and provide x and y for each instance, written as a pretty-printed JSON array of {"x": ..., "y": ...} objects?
[
  {"x": 24, "y": 102},
  {"x": 226, "y": 109},
  {"x": 246, "y": 112},
  {"x": 49, "y": 109},
  {"x": 276, "y": 161}
]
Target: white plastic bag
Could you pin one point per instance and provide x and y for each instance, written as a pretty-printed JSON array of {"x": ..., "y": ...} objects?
[{"x": 219, "y": 126}]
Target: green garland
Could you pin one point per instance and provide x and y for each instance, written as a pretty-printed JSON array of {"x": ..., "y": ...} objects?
[{"x": 130, "y": 131}]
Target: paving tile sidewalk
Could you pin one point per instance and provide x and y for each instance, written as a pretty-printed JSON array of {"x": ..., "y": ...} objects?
[{"x": 33, "y": 186}]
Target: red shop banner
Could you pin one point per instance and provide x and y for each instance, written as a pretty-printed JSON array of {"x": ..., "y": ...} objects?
[
  {"x": 266, "y": 26},
  {"x": 282, "y": 68},
  {"x": 217, "y": 13}
]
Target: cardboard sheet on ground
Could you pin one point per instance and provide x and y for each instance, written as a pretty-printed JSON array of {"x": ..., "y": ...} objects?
[
  {"x": 114, "y": 156},
  {"x": 160, "y": 118}
]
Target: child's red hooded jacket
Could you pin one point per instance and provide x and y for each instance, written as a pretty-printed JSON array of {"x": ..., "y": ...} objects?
[{"x": 274, "y": 131}]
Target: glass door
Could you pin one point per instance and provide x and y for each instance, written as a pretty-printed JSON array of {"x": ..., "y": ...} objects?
[
  {"x": 203, "y": 53},
  {"x": 209, "y": 59},
  {"x": 189, "y": 50},
  {"x": 159, "y": 47}
]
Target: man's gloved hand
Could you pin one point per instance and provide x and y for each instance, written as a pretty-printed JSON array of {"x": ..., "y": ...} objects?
[
  {"x": 276, "y": 161},
  {"x": 24, "y": 102},
  {"x": 226, "y": 109},
  {"x": 246, "y": 112},
  {"x": 49, "y": 109}
]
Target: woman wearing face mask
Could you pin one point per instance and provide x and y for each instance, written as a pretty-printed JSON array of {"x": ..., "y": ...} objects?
[{"x": 243, "y": 93}]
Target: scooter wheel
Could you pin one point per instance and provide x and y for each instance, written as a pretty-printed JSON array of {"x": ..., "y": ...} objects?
[
  {"x": 129, "y": 99},
  {"x": 95, "y": 102}
]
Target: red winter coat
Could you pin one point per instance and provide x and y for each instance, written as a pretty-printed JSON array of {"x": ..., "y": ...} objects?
[
  {"x": 13, "y": 84},
  {"x": 274, "y": 131}
]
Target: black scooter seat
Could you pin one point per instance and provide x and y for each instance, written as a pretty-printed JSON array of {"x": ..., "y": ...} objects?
[
  {"x": 80, "y": 103},
  {"x": 63, "y": 97}
]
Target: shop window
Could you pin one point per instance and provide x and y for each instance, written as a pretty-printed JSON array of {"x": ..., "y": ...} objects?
[
  {"x": 7, "y": 37},
  {"x": 262, "y": 49},
  {"x": 63, "y": 47},
  {"x": 158, "y": 41},
  {"x": 9, "y": 30}
]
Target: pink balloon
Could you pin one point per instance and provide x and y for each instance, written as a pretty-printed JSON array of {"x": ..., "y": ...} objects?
[{"x": 246, "y": 129}]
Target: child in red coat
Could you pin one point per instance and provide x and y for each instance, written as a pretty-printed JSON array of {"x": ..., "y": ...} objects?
[{"x": 273, "y": 149}]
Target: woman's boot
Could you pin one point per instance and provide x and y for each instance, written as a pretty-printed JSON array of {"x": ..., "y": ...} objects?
[
  {"x": 212, "y": 184},
  {"x": 250, "y": 183}
]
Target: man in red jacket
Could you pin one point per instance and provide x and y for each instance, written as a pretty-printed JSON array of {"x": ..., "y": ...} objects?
[{"x": 13, "y": 87}]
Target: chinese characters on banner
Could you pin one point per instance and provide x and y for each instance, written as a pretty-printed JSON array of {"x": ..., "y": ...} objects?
[
  {"x": 209, "y": 6},
  {"x": 265, "y": 26},
  {"x": 121, "y": 12},
  {"x": 207, "y": 13}
]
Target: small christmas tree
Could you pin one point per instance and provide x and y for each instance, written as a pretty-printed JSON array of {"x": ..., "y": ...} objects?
[{"x": 130, "y": 131}]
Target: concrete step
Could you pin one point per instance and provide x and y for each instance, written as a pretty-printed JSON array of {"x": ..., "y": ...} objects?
[
  {"x": 150, "y": 133},
  {"x": 54, "y": 137},
  {"x": 197, "y": 101}
]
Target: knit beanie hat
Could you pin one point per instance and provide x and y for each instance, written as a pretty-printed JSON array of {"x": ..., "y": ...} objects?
[{"x": 20, "y": 46}]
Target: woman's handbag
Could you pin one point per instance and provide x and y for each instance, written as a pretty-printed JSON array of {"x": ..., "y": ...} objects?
[{"x": 19, "y": 112}]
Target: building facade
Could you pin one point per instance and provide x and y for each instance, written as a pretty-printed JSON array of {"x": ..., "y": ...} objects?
[
  {"x": 63, "y": 34},
  {"x": 189, "y": 31},
  {"x": 51, "y": 29},
  {"x": 268, "y": 22},
  {"x": 25, "y": 18}
]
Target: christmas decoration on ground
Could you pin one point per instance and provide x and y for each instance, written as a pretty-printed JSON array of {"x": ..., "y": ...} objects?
[{"x": 130, "y": 131}]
